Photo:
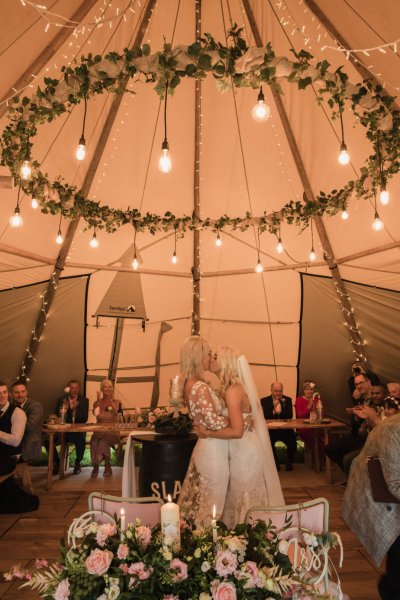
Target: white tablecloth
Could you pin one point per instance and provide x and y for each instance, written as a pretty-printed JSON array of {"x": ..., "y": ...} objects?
[{"x": 128, "y": 470}]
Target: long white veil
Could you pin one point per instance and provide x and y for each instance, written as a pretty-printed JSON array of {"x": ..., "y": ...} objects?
[{"x": 272, "y": 482}]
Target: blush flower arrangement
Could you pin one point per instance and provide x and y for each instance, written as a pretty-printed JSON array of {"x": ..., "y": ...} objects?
[
  {"x": 167, "y": 419},
  {"x": 105, "y": 563}
]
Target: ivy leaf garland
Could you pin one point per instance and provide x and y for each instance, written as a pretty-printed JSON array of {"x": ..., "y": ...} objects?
[{"x": 235, "y": 64}]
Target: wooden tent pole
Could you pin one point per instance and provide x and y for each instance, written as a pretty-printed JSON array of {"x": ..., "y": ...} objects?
[
  {"x": 348, "y": 313},
  {"x": 48, "y": 295},
  {"x": 40, "y": 61},
  {"x": 329, "y": 26},
  {"x": 196, "y": 274}
]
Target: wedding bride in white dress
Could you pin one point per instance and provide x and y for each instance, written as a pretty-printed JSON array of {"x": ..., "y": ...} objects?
[{"x": 231, "y": 468}]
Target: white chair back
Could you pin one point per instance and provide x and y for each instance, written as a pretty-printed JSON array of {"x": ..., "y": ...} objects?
[{"x": 147, "y": 509}]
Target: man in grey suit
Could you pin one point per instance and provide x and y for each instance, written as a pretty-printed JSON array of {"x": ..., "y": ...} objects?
[
  {"x": 377, "y": 524},
  {"x": 32, "y": 440}
]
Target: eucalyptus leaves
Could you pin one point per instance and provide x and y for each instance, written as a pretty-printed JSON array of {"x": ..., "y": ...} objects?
[{"x": 235, "y": 64}]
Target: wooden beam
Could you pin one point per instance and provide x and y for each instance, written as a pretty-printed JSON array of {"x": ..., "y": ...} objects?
[
  {"x": 328, "y": 251},
  {"x": 46, "y": 55},
  {"x": 48, "y": 296},
  {"x": 331, "y": 29},
  {"x": 196, "y": 189}
]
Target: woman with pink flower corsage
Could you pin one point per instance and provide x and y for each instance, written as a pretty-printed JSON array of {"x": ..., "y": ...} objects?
[{"x": 105, "y": 409}]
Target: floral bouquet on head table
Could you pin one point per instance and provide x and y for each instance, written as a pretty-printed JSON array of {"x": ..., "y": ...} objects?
[
  {"x": 148, "y": 417},
  {"x": 104, "y": 563}
]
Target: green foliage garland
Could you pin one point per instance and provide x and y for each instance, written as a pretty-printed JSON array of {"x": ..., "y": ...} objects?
[{"x": 235, "y": 64}]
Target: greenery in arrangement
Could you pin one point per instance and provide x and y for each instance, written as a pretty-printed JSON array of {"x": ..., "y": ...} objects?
[
  {"x": 234, "y": 65},
  {"x": 105, "y": 563}
]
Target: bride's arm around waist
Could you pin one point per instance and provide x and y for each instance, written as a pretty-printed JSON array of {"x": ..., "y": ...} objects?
[{"x": 235, "y": 428}]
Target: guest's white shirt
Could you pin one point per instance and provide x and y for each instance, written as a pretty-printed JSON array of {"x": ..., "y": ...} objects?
[{"x": 18, "y": 424}]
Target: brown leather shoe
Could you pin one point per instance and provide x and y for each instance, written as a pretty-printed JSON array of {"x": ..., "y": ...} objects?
[{"x": 95, "y": 471}]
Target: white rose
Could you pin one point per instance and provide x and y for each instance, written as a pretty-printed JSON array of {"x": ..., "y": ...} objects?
[
  {"x": 113, "y": 592},
  {"x": 205, "y": 566}
]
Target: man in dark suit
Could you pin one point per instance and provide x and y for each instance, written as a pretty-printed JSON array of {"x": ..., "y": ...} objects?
[
  {"x": 77, "y": 407},
  {"x": 278, "y": 406},
  {"x": 32, "y": 440},
  {"x": 12, "y": 428}
]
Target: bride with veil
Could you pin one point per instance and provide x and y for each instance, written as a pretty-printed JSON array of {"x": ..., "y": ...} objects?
[{"x": 250, "y": 477}]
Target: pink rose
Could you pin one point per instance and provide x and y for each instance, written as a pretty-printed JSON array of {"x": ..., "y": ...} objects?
[
  {"x": 124, "y": 568},
  {"x": 180, "y": 569},
  {"x": 223, "y": 590},
  {"x": 98, "y": 562},
  {"x": 225, "y": 562},
  {"x": 143, "y": 535},
  {"x": 103, "y": 532},
  {"x": 122, "y": 551},
  {"x": 140, "y": 571},
  {"x": 62, "y": 590}
]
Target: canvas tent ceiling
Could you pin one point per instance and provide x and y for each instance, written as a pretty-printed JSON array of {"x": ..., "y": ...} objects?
[{"x": 244, "y": 166}]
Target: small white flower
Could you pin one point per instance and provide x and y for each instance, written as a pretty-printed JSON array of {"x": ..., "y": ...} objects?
[
  {"x": 197, "y": 553},
  {"x": 93, "y": 527},
  {"x": 128, "y": 534},
  {"x": 204, "y": 596},
  {"x": 167, "y": 554},
  {"x": 205, "y": 566},
  {"x": 113, "y": 592}
]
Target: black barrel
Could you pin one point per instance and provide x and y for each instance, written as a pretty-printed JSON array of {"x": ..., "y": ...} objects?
[{"x": 165, "y": 459}]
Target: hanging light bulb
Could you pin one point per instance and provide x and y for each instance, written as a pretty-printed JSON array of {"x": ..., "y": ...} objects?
[
  {"x": 344, "y": 214},
  {"x": 16, "y": 220},
  {"x": 384, "y": 195},
  {"x": 261, "y": 112},
  {"x": 26, "y": 170},
  {"x": 259, "y": 267},
  {"x": 218, "y": 241},
  {"x": 165, "y": 163},
  {"x": 279, "y": 247},
  {"x": 377, "y": 224},
  {"x": 59, "y": 238},
  {"x": 94, "y": 242},
  {"x": 80, "y": 153},
  {"x": 34, "y": 203},
  {"x": 135, "y": 263},
  {"x": 174, "y": 258},
  {"x": 312, "y": 255},
  {"x": 344, "y": 156}
]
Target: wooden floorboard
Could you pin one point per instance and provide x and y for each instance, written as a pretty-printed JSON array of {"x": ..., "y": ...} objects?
[{"x": 36, "y": 535}]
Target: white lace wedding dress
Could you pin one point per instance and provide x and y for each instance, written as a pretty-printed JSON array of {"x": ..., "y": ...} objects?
[
  {"x": 207, "y": 477},
  {"x": 233, "y": 474}
]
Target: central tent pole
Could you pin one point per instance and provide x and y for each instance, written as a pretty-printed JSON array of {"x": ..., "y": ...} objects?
[{"x": 196, "y": 274}]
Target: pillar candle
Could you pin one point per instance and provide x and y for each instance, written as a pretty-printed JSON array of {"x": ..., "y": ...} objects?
[
  {"x": 170, "y": 525},
  {"x": 123, "y": 520}
]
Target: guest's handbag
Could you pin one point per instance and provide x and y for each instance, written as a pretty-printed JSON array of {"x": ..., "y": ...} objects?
[{"x": 380, "y": 490}]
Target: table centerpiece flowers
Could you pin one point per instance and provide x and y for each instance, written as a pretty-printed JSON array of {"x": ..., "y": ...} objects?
[{"x": 107, "y": 562}]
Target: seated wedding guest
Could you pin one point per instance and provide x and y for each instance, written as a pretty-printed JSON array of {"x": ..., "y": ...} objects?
[
  {"x": 278, "y": 406},
  {"x": 377, "y": 524},
  {"x": 13, "y": 498},
  {"x": 394, "y": 389},
  {"x": 358, "y": 369},
  {"x": 32, "y": 440},
  {"x": 391, "y": 406},
  {"x": 351, "y": 444},
  {"x": 305, "y": 404},
  {"x": 12, "y": 429},
  {"x": 372, "y": 416},
  {"x": 378, "y": 394},
  {"x": 77, "y": 412},
  {"x": 105, "y": 409}
]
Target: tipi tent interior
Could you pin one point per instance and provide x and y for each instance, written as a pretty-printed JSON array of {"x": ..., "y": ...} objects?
[{"x": 297, "y": 319}]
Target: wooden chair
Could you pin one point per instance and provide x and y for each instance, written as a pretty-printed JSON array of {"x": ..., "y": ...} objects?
[
  {"x": 22, "y": 472},
  {"x": 147, "y": 508},
  {"x": 312, "y": 515}
]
